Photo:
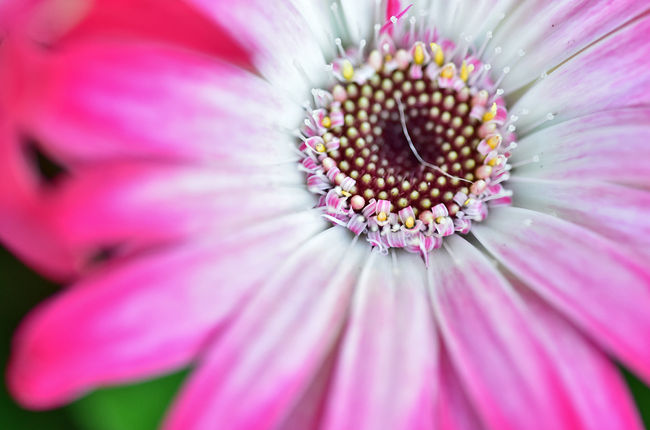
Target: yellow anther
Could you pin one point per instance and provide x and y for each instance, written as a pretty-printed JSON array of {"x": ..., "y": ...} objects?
[
  {"x": 493, "y": 162},
  {"x": 347, "y": 71},
  {"x": 381, "y": 216},
  {"x": 410, "y": 222},
  {"x": 418, "y": 54},
  {"x": 494, "y": 141},
  {"x": 448, "y": 71},
  {"x": 489, "y": 115},
  {"x": 465, "y": 71},
  {"x": 320, "y": 147},
  {"x": 438, "y": 55},
  {"x": 440, "y": 219},
  {"x": 345, "y": 193},
  {"x": 326, "y": 122}
]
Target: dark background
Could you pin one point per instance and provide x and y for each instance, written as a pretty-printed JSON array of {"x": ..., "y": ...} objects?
[{"x": 135, "y": 407}]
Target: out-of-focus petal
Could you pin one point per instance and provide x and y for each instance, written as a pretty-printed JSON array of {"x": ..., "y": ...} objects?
[
  {"x": 150, "y": 20},
  {"x": 258, "y": 368},
  {"x": 140, "y": 204},
  {"x": 148, "y": 316},
  {"x": 283, "y": 47},
  {"x": 604, "y": 290},
  {"x": 386, "y": 372},
  {"x": 135, "y": 100}
]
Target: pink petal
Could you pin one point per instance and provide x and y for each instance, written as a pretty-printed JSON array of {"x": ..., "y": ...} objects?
[
  {"x": 503, "y": 367},
  {"x": 605, "y": 76},
  {"x": 146, "y": 316},
  {"x": 280, "y": 40},
  {"x": 173, "y": 103},
  {"x": 21, "y": 217},
  {"x": 551, "y": 32},
  {"x": 386, "y": 372},
  {"x": 617, "y": 212},
  {"x": 590, "y": 148},
  {"x": 275, "y": 346},
  {"x": 149, "y": 20},
  {"x": 596, "y": 386},
  {"x": 147, "y": 203},
  {"x": 589, "y": 279},
  {"x": 454, "y": 410}
]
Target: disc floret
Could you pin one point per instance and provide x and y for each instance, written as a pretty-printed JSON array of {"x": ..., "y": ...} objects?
[{"x": 409, "y": 146}]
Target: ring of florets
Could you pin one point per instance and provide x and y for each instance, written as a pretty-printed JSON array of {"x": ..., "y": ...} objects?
[{"x": 409, "y": 145}]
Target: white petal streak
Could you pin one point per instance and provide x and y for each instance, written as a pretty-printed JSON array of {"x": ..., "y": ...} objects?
[
  {"x": 552, "y": 31},
  {"x": 276, "y": 345},
  {"x": 502, "y": 366},
  {"x": 387, "y": 370}
]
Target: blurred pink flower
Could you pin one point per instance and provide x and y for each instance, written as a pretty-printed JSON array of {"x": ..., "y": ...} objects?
[{"x": 193, "y": 237}]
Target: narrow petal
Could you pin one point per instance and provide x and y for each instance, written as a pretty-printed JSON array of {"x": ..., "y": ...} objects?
[
  {"x": 552, "y": 32},
  {"x": 504, "y": 369},
  {"x": 605, "y": 76},
  {"x": 145, "y": 317},
  {"x": 283, "y": 47},
  {"x": 276, "y": 345},
  {"x": 596, "y": 386},
  {"x": 386, "y": 375},
  {"x": 617, "y": 212},
  {"x": 174, "y": 104},
  {"x": 142, "y": 203},
  {"x": 590, "y": 148},
  {"x": 605, "y": 291}
]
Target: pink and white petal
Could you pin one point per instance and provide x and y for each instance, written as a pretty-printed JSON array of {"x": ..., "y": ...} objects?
[
  {"x": 605, "y": 146},
  {"x": 283, "y": 47},
  {"x": 552, "y": 32},
  {"x": 144, "y": 203},
  {"x": 173, "y": 104},
  {"x": 603, "y": 77},
  {"x": 596, "y": 386},
  {"x": 619, "y": 213},
  {"x": 454, "y": 410},
  {"x": 504, "y": 369},
  {"x": 149, "y": 20},
  {"x": 146, "y": 316},
  {"x": 278, "y": 342},
  {"x": 591, "y": 280},
  {"x": 386, "y": 373}
]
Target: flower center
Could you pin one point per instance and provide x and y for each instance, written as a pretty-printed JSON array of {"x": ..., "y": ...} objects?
[{"x": 408, "y": 146}]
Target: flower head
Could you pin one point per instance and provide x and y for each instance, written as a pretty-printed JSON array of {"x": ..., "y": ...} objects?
[{"x": 358, "y": 214}]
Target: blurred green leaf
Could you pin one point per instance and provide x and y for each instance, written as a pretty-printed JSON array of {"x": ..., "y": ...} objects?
[{"x": 134, "y": 407}]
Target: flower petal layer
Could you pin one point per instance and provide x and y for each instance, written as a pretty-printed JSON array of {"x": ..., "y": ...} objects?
[
  {"x": 386, "y": 371},
  {"x": 604, "y": 290},
  {"x": 619, "y": 213},
  {"x": 607, "y": 75},
  {"x": 604, "y": 146},
  {"x": 503, "y": 367},
  {"x": 275, "y": 346},
  {"x": 154, "y": 102},
  {"x": 144, "y": 317}
]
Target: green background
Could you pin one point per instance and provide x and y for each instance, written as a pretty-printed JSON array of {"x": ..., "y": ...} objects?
[{"x": 135, "y": 407}]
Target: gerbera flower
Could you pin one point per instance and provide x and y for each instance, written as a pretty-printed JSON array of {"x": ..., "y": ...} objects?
[{"x": 351, "y": 214}]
